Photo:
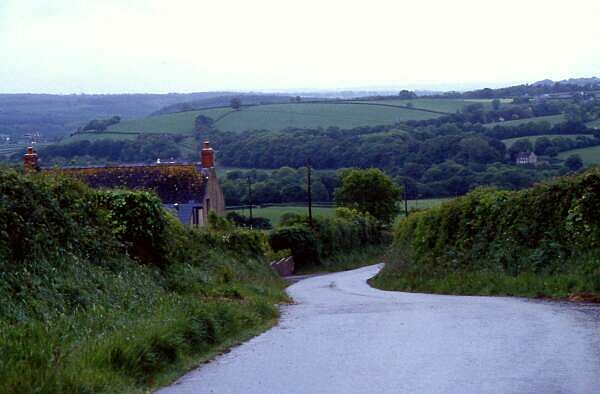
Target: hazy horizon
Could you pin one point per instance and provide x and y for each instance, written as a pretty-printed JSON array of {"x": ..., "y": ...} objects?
[{"x": 151, "y": 46}]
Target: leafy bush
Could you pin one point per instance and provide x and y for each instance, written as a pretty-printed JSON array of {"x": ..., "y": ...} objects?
[
  {"x": 300, "y": 240},
  {"x": 79, "y": 313},
  {"x": 546, "y": 230},
  {"x": 139, "y": 221},
  {"x": 347, "y": 231}
]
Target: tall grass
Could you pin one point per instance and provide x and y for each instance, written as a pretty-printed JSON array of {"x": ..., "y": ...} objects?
[{"x": 106, "y": 292}]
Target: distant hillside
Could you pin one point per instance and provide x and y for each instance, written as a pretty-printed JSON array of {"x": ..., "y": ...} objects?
[
  {"x": 58, "y": 115},
  {"x": 224, "y": 100},
  {"x": 570, "y": 81},
  {"x": 276, "y": 117}
]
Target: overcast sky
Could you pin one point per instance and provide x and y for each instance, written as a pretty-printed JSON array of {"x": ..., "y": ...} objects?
[{"x": 110, "y": 46}]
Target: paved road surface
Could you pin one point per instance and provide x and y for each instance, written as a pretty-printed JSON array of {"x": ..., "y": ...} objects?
[{"x": 343, "y": 336}]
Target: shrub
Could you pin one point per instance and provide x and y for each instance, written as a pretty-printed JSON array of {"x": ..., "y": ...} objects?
[
  {"x": 545, "y": 230},
  {"x": 104, "y": 291},
  {"x": 300, "y": 240},
  {"x": 347, "y": 231}
]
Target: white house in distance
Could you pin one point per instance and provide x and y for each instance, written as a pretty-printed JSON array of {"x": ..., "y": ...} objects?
[{"x": 524, "y": 158}]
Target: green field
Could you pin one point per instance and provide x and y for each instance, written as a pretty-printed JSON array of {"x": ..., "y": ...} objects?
[
  {"x": 275, "y": 117},
  {"x": 552, "y": 119},
  {"x": 274, "y": 213},
  {"x": 313, "y": 115},
  {"x": 441, "y": 105},
  {"x": 179, "y": 123},
  {"x": 589, "y": 155},
  {"x": 508, "y": 142}
]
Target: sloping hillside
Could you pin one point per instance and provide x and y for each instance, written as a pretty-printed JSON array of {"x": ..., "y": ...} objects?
[{"x": 273, "y": 117}]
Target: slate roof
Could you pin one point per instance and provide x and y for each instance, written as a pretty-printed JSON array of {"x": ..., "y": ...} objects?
[{"x": 174, "y": 183}]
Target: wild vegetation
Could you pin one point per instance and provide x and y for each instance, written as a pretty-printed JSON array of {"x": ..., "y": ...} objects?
[
  {"x": 329, "y": 238},
  {"x": 357, "y": 228},
  {"x": 541, "y": 241},
  {"x": 104, "y": 291}
]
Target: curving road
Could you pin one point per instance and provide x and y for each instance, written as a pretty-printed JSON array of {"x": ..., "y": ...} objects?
[{"x": 342, "y": 336}]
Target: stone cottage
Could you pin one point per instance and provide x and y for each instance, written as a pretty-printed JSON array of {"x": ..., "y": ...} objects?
[{"x": 189, "y": 190}]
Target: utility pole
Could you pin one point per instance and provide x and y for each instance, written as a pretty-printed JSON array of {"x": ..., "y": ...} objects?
[
  {"x": 309, "y": 192},
  {"x": 250, "y": 199},
  {"x": 405, "y": 199}
]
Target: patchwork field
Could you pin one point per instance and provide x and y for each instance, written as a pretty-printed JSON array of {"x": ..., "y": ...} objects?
[
  {"x": 508, "y": 142},
  {"x": 268, "y": 117},
  {"x": 589, "y": 155},
  {"x": 552, "y": 119}
]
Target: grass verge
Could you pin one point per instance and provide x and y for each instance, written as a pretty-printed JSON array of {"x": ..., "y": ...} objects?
[{"x": 581, "y": 283}]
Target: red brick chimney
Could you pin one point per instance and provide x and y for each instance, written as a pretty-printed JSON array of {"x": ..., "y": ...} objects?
[
  {"x": 30, "y": 159},
  {"x": 207, "y": 156}
]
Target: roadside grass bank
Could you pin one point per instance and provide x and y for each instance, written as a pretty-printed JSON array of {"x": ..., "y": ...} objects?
[
  {"x": 105, "y": 292},
  {"x": 574, "y": 286},
  {"x": 538, "y": 242}
]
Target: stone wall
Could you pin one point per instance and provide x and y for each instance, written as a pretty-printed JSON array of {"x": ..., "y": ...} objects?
[{"x": 284, "y": 267}]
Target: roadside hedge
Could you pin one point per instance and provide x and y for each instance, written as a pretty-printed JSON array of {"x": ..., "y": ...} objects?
[
  {"x": 105, "y": 291},
  {"x": 550, "y": 229},
  {"x": 347, "y": 231}
]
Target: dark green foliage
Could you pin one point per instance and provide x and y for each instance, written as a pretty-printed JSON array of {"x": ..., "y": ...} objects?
[
  {"x": 102, "y": 124},
  {"x": 139, "y": 222},
  {"x": 79, "y": 313},
  {"x": 144, "y": 148},
  {"x": 203, "y": 123},
  {"x": 47, "y": 217},
  {"x": 348, "y": 231},
  {"x": 244, "y": 221},
  {"x": 300, "y": 240},
  {"x": 574, "y": 162},
  {"x": 236, "y": 103},
  {"x": 283, "y": 185},
  {"x": 550, "y": 230},
  {"x": 369, "y": 191}
]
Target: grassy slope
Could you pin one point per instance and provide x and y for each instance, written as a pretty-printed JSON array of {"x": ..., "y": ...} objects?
[
  {"x": 78, "y": 314},
  {"x": 313, "y": 115},
  {"x": 589, "y": 155},
  {"x": 552, "y": 119},
  {"x": 275, "y": 117},
  {"x": 509, "y": 141},
  {"x": 182, "y": 122},
  {"x": 442, "y": 105}
]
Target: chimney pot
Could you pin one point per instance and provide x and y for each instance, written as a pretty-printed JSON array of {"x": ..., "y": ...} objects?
[
  {"x": 207, "y": 156},
  {"x": 30, "y": 159}
]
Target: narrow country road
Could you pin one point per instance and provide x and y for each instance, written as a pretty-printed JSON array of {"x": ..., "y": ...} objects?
[{"x": 342, "y": 336}]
